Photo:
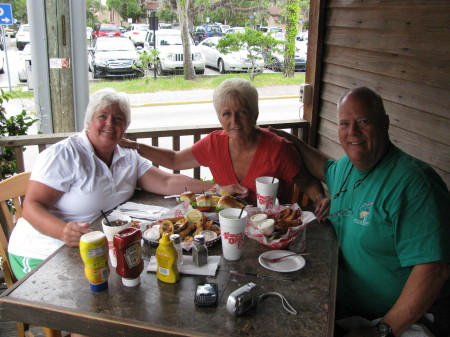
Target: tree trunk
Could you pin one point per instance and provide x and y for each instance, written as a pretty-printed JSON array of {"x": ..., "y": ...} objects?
[
  {"x": 182, "y": 9},
  {"x": 293, "y": 12}
]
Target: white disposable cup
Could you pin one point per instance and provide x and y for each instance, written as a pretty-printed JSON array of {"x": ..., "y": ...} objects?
[
  {"x": 232, "y": 229},
  {"x": 266, "y": 192},
  {"x": 110, "y": 231}
]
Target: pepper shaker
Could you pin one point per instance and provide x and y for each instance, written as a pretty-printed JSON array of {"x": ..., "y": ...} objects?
[
  {"x": 200, "y": 251},
  {"x": 176, "y": 238}
]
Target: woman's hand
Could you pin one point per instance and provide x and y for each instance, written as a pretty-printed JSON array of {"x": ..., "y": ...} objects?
[
  {"x": 236, "y": 190},
  {"x": 322, "y": 207},
  {"x": 73, "y": 231}
]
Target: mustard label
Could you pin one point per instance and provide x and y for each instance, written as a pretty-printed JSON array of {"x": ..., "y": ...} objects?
[{"x": 94, "y": 253}]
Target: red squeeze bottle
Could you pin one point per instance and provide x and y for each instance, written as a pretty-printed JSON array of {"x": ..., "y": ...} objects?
[{"x": 129, "y": 255}]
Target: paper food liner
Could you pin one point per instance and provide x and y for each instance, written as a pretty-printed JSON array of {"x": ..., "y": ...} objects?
[
  {"x": 180, "y": 211},
  {"x": 295, "y": 237}
]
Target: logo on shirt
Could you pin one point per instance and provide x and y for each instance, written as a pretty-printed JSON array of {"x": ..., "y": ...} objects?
[{"x": 362, "y": 217}]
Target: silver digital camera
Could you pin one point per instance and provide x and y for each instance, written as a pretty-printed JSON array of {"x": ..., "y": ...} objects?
[{"x": 242, "y": 299}]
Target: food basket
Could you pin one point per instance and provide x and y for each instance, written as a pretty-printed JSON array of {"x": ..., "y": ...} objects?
[{"x": 294, "y": 238}]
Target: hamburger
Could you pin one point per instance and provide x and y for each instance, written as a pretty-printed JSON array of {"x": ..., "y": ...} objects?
[
  {"x": 187, "y": 196},
  {"x": 205, "y": 201},
  {"x": 227, "y": 201}
]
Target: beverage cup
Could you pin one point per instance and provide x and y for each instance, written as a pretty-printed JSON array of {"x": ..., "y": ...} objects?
[
  {"x": 266, "y": 192},
  {"x": 111, "y": 230},
  {"x": 232, "y": 232}
]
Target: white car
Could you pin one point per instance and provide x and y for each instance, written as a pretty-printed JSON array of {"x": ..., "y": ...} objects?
[
  {"x": 171, "y": 55},
  {"x": 24, "y": 62},
  {"x": 2, "y": 58},
  {"x": 136, "y": 33},
  {"x": 88, "y": 33},
  {"x": 301, "y": 42},
  {"x": 235, "y": 61},
  {"x": 22, "y": 36}
]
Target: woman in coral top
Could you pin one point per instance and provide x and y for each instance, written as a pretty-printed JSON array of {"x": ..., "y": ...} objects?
[{"x": 242, "y": 151}]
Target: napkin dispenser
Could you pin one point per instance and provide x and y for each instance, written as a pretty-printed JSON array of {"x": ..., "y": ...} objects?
[{"x": 242, "y": 299}]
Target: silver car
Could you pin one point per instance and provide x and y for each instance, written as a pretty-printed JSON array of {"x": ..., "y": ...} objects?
[
  {"x": 24, "y": 63},
  {"x": 22, "y": 36},
  {"x": 234, "y": 61},
  {"x": 171, "y": 54}
]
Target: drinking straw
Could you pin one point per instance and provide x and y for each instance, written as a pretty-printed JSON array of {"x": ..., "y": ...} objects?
[
  {"x": 273, "y": 179},
  {"x": 106, "y": 218},
  {"x": 240, "y": 214}
]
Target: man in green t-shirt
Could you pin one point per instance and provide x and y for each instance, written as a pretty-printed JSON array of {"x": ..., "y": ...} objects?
[{"x": 391, "y": 216}]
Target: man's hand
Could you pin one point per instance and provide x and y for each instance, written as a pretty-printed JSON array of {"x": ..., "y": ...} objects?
[
  {"x": 322, "y": 208},
  {"x": 73, "y": 231}
]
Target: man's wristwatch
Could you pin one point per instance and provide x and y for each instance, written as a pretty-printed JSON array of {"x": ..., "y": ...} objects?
[{"x": 383, "y": 329}]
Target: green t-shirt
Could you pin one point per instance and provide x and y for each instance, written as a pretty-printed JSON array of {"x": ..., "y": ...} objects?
[{"x": 401, "y": 213}]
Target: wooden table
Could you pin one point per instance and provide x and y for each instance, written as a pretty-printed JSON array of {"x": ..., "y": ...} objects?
[{"x": 57, "y": 295}]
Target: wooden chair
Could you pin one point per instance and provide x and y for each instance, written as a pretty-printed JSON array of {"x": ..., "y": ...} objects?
[
  {"x": 300, "y": 197},
  {"x": 12, "y": 189}
]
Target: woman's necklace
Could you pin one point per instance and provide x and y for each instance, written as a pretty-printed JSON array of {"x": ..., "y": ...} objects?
[{"x": 359, "y": 181}]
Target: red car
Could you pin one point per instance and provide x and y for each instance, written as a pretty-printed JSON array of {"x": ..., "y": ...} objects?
[{"x": 104, "y": 29}]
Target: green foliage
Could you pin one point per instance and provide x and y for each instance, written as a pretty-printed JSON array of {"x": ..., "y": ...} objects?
[
  {"x": 19, "y": 9},
  {"x": 93, "y": 7},
  {"x": 293, "y": 14},
  {"x": 147, "y": 61},
  {"x": 250, "y": 40},
  {"x": 13, "y": 126},
  {"x": 128, "y": 8}
]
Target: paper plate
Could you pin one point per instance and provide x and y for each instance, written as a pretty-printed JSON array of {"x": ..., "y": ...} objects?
[{"x": 288, "y": 264}]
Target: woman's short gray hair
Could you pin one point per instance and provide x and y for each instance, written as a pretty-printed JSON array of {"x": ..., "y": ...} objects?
[
  {"x": 108, "y": 97},
  {"x": 236, "y": 90}
]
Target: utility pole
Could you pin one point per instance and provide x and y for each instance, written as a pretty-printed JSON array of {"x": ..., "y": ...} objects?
[{"x": 60, "y": 92}]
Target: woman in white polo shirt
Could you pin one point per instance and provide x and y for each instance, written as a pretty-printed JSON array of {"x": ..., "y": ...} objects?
[{"x": 76, "y": 178}]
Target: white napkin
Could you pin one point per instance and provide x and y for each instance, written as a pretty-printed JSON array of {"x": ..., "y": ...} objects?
[
  {"x": 140, "y": 211},
  {"x": 188, "y": 266}
]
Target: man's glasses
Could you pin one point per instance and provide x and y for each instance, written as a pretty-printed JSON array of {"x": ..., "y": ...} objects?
[{"x": 336, "y": 215}]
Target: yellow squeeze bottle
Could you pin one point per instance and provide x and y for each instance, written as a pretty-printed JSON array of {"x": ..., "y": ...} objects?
[
  {"x": 94, "y": 253},
  {"x": 166, "y": 258}
]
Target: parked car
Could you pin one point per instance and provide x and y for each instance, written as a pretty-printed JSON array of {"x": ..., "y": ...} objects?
[
  {"x": 22, "y": 36},
  {"x": 11, "y": 30},
  {"x": 2, "y": 57},
  {"x": 88, "y": 33},
  {"x": 204, "y": 31},
  {"x": 275, "y": 60},
  {"x": 114, "y": 56},
  {"x": 24, "y": 61},
  {"x": 224, "y": 28},
  {"x": 171, "y": 55},
  {"x": 301, "y": 42},
  {"x": 235, "y": 61},
  {"x": 235, "y": 29},
  {"x": 270, "y": 30},
  {"x": 104, "y": 29},
  {"x": 136, "y": 33}
]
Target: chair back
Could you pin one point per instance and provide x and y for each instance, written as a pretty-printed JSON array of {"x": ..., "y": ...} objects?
[{"x": 11, "y": 189}]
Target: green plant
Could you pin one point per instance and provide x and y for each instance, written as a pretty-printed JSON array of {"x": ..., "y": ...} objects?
[
  {"x": 250, "y": 40},
  {"x": 13, "y": 126},
  {"x": 147, "y": 61}
]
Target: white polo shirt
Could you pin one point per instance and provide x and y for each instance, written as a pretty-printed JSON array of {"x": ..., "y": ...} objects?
[{"x": 89, "y": 186}]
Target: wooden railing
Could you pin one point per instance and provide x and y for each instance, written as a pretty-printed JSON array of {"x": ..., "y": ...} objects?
[{"x": 297, "y": 127}]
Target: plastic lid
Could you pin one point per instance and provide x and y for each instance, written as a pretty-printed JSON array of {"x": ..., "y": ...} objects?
[
  {"x": 131, "y": 282},
  {"x": 176, "y": 238},
  {"x": 99, "y": 287}
]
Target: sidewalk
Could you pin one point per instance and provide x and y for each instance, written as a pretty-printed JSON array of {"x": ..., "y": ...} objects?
[{"x": 15, "y": 106}]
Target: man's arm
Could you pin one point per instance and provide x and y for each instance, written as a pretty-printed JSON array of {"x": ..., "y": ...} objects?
[
  {"x": 314, "y": 160},
  {"x": 418, "y": 294},
  {"x": 174, "y": 160}
]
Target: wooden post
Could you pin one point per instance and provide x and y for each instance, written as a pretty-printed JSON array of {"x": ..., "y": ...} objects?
[{"x": 60, "y": 72}]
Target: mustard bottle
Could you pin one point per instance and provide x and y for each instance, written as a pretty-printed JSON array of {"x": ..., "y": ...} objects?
[
  {"x": 94, "y": 253},
  {"x": 166, "y": 258}
]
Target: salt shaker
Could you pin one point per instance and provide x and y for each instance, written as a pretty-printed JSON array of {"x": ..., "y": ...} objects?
[
  {"x": 176, "y": 238},
  {"x": 200, "y": 251}
]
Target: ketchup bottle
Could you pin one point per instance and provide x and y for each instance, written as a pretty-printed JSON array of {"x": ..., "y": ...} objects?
[{"x": 129, "y": 255}]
